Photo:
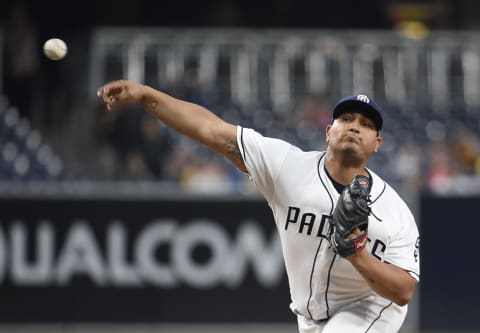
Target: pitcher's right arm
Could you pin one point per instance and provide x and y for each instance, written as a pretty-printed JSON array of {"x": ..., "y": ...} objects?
[{"x": 189, "y": 119}]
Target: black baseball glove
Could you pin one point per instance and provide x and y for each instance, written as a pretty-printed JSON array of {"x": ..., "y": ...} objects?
[{"x": 351, "y": 212}]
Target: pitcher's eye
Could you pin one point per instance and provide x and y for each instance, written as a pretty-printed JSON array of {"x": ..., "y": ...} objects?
[
  {"x": 368, "y": 124},
  {"x": 347, "y": 117}
]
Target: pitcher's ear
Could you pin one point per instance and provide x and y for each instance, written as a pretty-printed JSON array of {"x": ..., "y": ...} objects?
[{"x": 327, "y": 132}]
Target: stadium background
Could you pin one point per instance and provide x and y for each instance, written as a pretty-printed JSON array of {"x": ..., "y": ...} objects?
[{"x": 111, "y": 222}]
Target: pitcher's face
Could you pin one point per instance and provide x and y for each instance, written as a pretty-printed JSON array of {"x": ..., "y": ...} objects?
[{"x": 353, "y": 133}]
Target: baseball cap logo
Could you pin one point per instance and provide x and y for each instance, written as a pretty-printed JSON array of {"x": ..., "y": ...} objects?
[{"x": 363, "y": 98}]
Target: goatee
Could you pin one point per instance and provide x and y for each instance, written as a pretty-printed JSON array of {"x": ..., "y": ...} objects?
[{"x": 350, "y": 157}]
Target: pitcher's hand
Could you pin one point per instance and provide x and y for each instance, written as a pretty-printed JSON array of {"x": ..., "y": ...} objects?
[{"x": 119, "y": 92}]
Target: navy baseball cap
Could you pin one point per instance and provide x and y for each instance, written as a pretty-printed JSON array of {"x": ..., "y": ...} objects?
[{"x": 361, "y": 103}]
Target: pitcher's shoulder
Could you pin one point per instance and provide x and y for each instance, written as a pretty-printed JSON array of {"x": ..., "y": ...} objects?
[{"x": 383, "y": 192}]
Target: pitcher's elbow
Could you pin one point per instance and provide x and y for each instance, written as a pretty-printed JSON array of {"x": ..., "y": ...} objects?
[
  {"x": 404, "y": 297},
  {"x": 402, "y": 301}
]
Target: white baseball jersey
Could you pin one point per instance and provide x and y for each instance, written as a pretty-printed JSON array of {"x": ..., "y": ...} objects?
[{"x": 302, "y": 198}]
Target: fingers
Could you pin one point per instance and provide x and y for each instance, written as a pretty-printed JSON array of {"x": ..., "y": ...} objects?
[
  {"x": 109, "y": 89},
  {"x": 109, "y": 93}
]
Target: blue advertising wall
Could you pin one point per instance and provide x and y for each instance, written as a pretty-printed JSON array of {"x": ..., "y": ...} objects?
[
  {"x": 450, "y": 273},
  {"x": 95, "y": 261},
  {"x": 196, "y": 260}
]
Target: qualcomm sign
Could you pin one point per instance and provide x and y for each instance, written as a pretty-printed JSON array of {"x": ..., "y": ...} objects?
[{"x": 40, "y": 256}]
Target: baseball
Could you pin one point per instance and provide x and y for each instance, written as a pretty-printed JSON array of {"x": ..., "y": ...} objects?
[{"x": 55, "y": 49}]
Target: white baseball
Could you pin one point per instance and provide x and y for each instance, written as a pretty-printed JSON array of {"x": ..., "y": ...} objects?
[{"x": 55, "y": 49}]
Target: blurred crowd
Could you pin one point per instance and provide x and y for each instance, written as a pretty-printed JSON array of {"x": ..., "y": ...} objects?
[
  {"x": 133, "y": 145},
  {"x": 441, "y": 156},
  {"x": 428, "y": 152}
]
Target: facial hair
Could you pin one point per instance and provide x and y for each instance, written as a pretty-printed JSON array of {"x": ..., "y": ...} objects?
[{"x": 350, "y": 157}]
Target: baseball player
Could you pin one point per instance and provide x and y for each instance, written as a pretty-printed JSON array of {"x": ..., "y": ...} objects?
[{"x": 350, "y": 243}]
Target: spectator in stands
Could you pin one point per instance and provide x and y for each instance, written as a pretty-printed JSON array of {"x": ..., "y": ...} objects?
[
  {"x": 314, "y": 109},
  {"x": 465, "y": 149},
  {"x": 140, "y": 156},
  {"x": 206, "y": 175},
  {"x": 155, "y": 145},
  {"x": 312, "y": 115},
  {"x": 407, "y": 165},
  {"x": 440, "y": 168},
  {"x": 454, "y": 164}
]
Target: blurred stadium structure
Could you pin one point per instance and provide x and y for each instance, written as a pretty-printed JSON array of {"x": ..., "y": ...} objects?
[
  {"x": 280, "y": 82},
  {"x": 283, "y": 82}
]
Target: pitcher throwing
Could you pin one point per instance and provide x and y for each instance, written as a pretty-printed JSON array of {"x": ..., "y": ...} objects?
[{"x": 350, "y": 243}]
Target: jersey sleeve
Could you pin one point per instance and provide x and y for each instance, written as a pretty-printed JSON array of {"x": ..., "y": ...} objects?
[
  {"x": 403, "y": 250},
  {"x": 263, "y": 158}
]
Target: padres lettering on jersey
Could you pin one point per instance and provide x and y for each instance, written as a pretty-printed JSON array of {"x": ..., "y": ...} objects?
[
  {"x": 302, "y": 199},
  {"x": 305, "y": 223}
]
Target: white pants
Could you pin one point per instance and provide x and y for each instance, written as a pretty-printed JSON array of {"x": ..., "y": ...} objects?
[{"x": 366, "y": 315}]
